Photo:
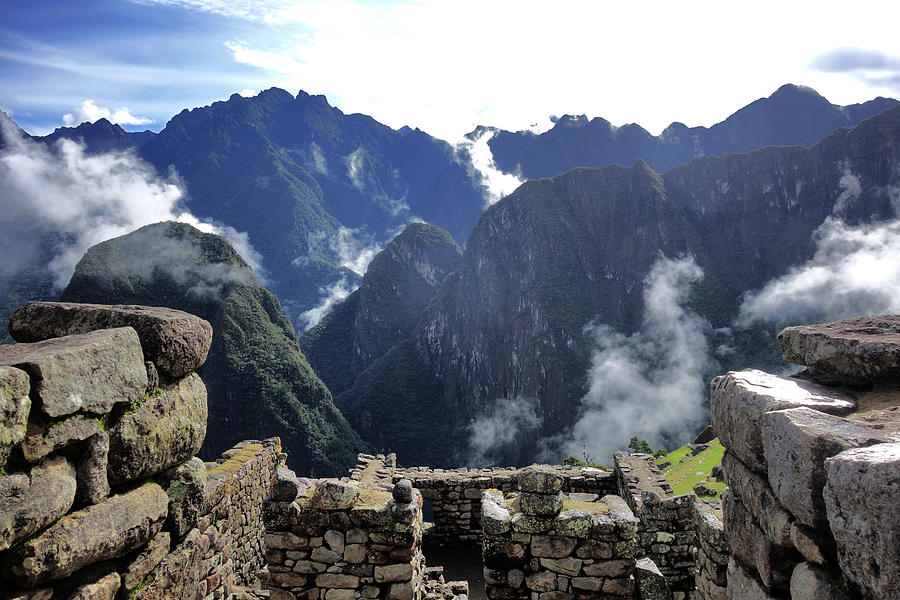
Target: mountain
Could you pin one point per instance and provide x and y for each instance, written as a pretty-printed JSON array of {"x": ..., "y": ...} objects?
[
  {"x": 793, "y": 115},
  {"x": 303, "y": 179},
  {"x": 563, "y": 253},
  {"x": 101, "y": 136},
  {"x": 394, "y": 292},
  {"x": 258, "y": 380}
]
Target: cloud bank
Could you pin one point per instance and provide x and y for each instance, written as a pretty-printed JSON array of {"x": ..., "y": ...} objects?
[
  {"x": 497, "y": 183},
  {"x": 89, "y": 112},
  {"x": 493, "y": 433},
  {"x": 869, "y": 66}
]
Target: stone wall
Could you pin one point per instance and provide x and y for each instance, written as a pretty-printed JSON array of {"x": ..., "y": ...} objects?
[
  {"x": 540, "y": 543},
  {"x": 712, "y": 555},
  {"x": 812, "y": 466},
  {"x": 100, "y": 493},
  {"x": 666, "y": 530}
]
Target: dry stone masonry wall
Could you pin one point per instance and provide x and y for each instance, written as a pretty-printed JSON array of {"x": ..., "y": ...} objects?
[
  {"x": 813, "y": 466},
  {"x": 100, "y": 493}
]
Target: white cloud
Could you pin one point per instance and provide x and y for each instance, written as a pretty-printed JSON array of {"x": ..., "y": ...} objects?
[
  {"x": 497, "y": 183},
  {"x": 248, "y": 93},
  {"x": 89, "y": 112},
  {"x": 329, "y": 295},
  {"x": 507, "y": 422}
]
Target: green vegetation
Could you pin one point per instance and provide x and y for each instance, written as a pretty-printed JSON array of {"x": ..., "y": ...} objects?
[{"x": 686, "y": 471}]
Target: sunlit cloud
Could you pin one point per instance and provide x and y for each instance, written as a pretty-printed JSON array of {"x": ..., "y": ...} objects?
[{"x": 89, "y": 112}]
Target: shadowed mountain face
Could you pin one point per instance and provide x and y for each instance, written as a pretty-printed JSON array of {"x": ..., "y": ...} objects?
[
  {"x": 259, "y": 382},
  {"x": 792, "y": 116},
  {"x": 560, "y": 254}
]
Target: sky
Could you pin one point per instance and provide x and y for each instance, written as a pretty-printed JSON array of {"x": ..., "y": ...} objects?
[{"x": 441, "y": 66}]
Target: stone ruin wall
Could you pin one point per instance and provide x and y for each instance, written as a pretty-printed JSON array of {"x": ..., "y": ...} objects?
[{"x": 101, "y": 496}]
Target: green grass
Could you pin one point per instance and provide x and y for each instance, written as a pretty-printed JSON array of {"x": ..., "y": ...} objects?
[{"x": 687, "y": 471}]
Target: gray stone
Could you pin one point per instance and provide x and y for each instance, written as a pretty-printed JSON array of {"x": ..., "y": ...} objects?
[
  {"x": 185, "y": 484},
  {"x": 90, "y": 372},
  {"x": 566, "y": 566},
  {"x": 148, "y": 559},
  {"x": 104, "y": 588},
  {"x": 797, "y": 442},
  {"x": 286, "y": 486},
  {"x": 29, "y": 502},
  {"x": 750, "y": 546},
  {"x": 542, "y": 581},
  {"x": 624, "y": 520},
  {"x": 811, "y": 583},
  {"x": 574, "y": 523},
  {"x": 591, "y": 584},
  {"x": 523, "y": 523},
  {"x": 397, "y": 572},
  {"x": 324, "y": 555},
  {"x": 306, "y": 566},
  {"x": 542, "y": 505},
  {"x": 651, "y": 584},
  {"x": 610, "y": 568},
  {"x": 710, "y": 533},
  {"x": 539, "y": 479},
  {"x": 403, "y": 491},
  {"x": 743, "y": 586},
  {"x": 861, "y": 498},
  {"x": 551, "y": 546},
  {"x": 110, "y": 529},
  {"x": 335, "y": 580},
  {"x": 176, "y": 342},
  {"x": 166, "y": 429},
  {"x": 331, "y": 494},
  {"x": 740, "y": 398},
  {"x": 287, "y": 579},
  {"x": 93, "y": 484},
  {"x": 14, "y": 408},
  {"x": 859, "y": 350},
  {"x": 335, "y": 540},
  {"x": 33, "y": 594},
  {"x": 708, "y": 590},
  {"x": 756, "y": 495},
  {"x": 400, "y": 591},
  {"x": 355, "y": 553},
  {"x": 815, "y": 547},
  {"x": 41, "y": 440},
  {"x": 514, "y": 578},
  {"x": 495, "y": 519}
]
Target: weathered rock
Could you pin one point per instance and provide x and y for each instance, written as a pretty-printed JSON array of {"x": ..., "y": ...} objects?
[
  {"x": 176, "y": 576},
  {"x": 177, "y": 342},
  {"x": 104, "y": 588},
  {"x": 336, "y": 580},
  {"x": 184, "y": 485},
  {"x": 551, "y": 546},
  {"x": 610, "y": 568},
  {"x": 861, "y": 498},
  {"x": 624, "y": 520},
  {"x": 286, "y": 486},
  {"x": 816, "y": 546},
  {"x": 539, "y": 479},
  {"x": 403, "y": 491},
  {"x": 107, "y": 530},
  {"x": 811, "y": 583},
  {"x": 565, "y": 566},
  {"x": 796, "y": 443},
  {"x": 30, "y": 502},
  {"x": 495, "y": 518},
  {"x": 710, "y": 532},
  {"x": 331, "y": 494},
  {"x": 335, "y": 540},
  {"x": 93, "y": 484},
  {"x": 14, "y": 408},
  {"x": 651, "y": 584},
  {"x": 859, "y": 350},
  {"x": 743, "y": 586},
  {"x": 756, "y": 495},
  {"x": 738, "y": 400},
  {"x": 542, "y": 581},
  {"x": 396, "y": 572},
  {"x": 574, "y": 523},
  {"x": 90, "y": 372},
  {"x": 32, "y": 594},
  {"x": 750, "y": 546},
  {"x": 166, "y": 429},
  {"x": 542, "y": 505},
  {"x": 148, "y": 559},
  {"x": 42, "y": 440}
]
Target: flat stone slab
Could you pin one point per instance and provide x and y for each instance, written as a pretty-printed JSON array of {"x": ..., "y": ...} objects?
[
  {"x": 163, "y": 431},
  {"x": 90, "y": 372},
  {"x": 738, "y": 400},
  {"x": 107, "y": 530},
  {"x": 175, "y": 341},
  {"x": 854, "y": 351},
  {"x": 797, "y": 442},
  {"x": 861, "y": 499},
  {"x": 41, "y": 440},
  {"x": 15, "y": 406},
  {"x": 31, "y": 501}
]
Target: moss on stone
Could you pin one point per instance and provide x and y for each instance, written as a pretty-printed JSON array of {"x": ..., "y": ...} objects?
[
  {"x": 242, "y": 457},
  {"x": 594, "y": 508}
]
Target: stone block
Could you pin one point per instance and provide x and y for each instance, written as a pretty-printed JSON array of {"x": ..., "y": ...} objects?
[
  {"x": 811, "y": 583},
  {"x": 750, "y": 546},
  {"x": 551, "y": 546},
  {"x": 710, "y": 533},
  {"x": 15, "y": 406},
  {"x": 650, "y": 583},
  {"x": 331, "y": 494},
  {"x": 743, "y": 586},
  {"x": 90, "y": 372},
  {"x": 539, "y": 479},
  {"x": 44, "y": 439},
  {"x": 591, "y": 584},
  {"x": 403, "y": 491},
  {"x": 286, "y": 486},
  {"x": 185, "y": 485},
  {"x": 499, "y": 553},
  {"x": 119, "y": 525},
  {"x": 400, "y": 591},
  {"x": 164, "y": 430},
  {"x": 104, "y": 588},
  {"x": 542, "y": 581},
  {"x": 335, "y": 540},
  {"x": 853, "y": 351},
  {"x": 574, "y": 523},
  {"x": 816, "y": 546},
  {"x": 176, "y": 342},
  {"x": 625, "y": 522},
  {"x": 740, "y": 398},
  {"x": 31, "y": 501},
  {"x": 796, "y": 443},
  {"x": 324, "y": 555},
  {"x": 756, "y": 495},
  {"x": 335, "y": 580},
  {"x": 147, "y": 560},
  {"x": 564, "y": 566},
  {"x": 861, "y": 499},
  {"x": 495, "y": 519},
  {"x": 90, "y": 471},
  {"x": 542, "y": 505},
  {"x": 610, "y": 568},
  {"x": 340, "y": 594}
]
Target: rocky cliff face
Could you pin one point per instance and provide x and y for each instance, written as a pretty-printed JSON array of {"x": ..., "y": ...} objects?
[
  {"x": 561, "y": 253},
  {"x": 258, "y": 379},
  {"x": 793, "y": 115}
]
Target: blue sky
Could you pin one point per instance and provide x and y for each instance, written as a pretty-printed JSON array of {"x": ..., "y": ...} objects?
[{"x": 441, "y": 66}]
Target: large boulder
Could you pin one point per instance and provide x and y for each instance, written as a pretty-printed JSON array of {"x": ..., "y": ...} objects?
[
  {"x": 756, "y": 495},
  {"x": 14, "y": 408},
  {"x": 41, "y": 440},
  {"x": 739, "y": 399},
  {"x": 185, "y": 485},
  {"x": 650, "y": 582},
  {"x": 861, "y": 499},
  {"x": 166, "y": 429},
  {"x": 743, "y": 586},
  {"x": 854, "y": 351},
  {"x": 796, "y": 443},
  {"x": 811, "y": 583},
  {"x": 31, "y": 501},
  {"x": 107, "y": 530},
  {"x": 90, "y": 372},
  {"x": 93, "y": 484},
  {"x": 176, "y": 342}
]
